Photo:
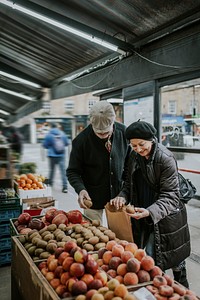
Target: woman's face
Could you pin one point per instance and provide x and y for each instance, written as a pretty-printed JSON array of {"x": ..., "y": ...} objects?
[{"x": 142, "y": 147}]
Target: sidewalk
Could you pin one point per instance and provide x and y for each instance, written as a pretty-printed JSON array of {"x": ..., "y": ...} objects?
[{"x": 34, "y": 153}]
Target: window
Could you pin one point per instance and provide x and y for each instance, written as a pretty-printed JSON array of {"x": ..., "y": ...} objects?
[
  {"x": 69, "y": 105},
  {"x": 91, "y": 103},
  {"x": 172, "y": 107}
]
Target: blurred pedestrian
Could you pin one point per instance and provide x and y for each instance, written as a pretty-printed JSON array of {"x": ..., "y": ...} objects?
[
  {"x": 160, "y": 220},
  {"x": 15, "y": 140},
  {"x": 97, "y": 158},
  {"x": 55, "y": 142}
]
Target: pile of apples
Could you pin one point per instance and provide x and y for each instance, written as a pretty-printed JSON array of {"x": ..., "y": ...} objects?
[{"x": 72, "y": 271}]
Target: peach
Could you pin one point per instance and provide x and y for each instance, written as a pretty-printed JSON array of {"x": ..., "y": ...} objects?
[
  {"x": 64, "y": 277},
  {"x": 155, "y": 271},
  {"x": 130, "y": 278},
  {"x": 77, "y": 269},
  {"x": 55, "y": 282},
  {"x": 126, "y": 255},
  {"x": 105, "y": 267},
  {"x": 117, "y": 250},
  {"x": 100, "y": 262},
  {"x": 79, "y": 287},
  {"x": 70, "y": 283},
  {"x": 112, "y": 273},
  {"x": 139, "y": 254},
  {"x": 133, "y": 265},
  {"x": 69, "y": 246},
  {"x": 101, "y": 275},
  {"x": 101, "y": 252},
  {"x": 165, "y": 290},
  {"x": 143, "y": 276},
  {"x": 147, "y": 263},
  {"x": 62, "y": 257},
  {"x": 159, "y": 280},
  {"x": 107, "y": 257},
  {"x": 178, "y": 288},
  {"x": 112, "y": 284},
  {"x": 121, "y": 291},
  {"x": 123, "y": 243},
  {"x": 109, "y": 295},
  {"x": 58, "y": 271},
  {"x": 79, "y": 297},
  {"x": 91, "y": 266},
  {"x": 110, "y": 244},
  {"x": 160, "y": 297},
  {"x": 169, "y": 279},
  {"x": 89, "y": 294},
  {"x": 103, "y": 290},
  {"x": 174, "y": 296},
  {"x": 114, "y": 262},
  {"x": 80, "y": 255},
  {"x": 87, "y": 278},
  {"x": 97, "y": 297},
  {"x": 130, "y": 297},
  {"x": 68, "y": 261},
  {"x": 61, "y": 289},
  {"x": 132, "y": 247},
  {"x": 49, "y": 276},
  {"x": 122, "y": 269},
  {"x": 53, "y": 264},
  {"x": 95, "y": 284},
  {"x": 120, "y": 278},
  {"x": 152, "y": 289}
]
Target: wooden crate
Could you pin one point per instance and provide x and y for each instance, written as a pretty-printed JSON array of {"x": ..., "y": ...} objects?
[{"x": 27, "y": 282}]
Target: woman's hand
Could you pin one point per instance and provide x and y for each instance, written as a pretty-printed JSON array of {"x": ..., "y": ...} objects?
[
  {"x": 83, "y": 195},
  {"x": 118, "y": 202},
  {"x": 140, "y": 213}
]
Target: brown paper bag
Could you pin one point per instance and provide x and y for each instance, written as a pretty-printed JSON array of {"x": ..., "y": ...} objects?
[{"x": 119, "y": 222}]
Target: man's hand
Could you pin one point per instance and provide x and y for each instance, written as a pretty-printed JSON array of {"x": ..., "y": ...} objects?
[
  {"x": 83, "y": 195},
  {"x": 140, "y": 213},
  {"x": 118, "y": 202}
]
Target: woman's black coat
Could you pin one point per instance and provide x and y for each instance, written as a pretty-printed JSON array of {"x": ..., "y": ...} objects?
[{"x": 167, "y": 214}]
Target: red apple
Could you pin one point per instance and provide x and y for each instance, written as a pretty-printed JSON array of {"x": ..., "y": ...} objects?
[
  {"x": 58, "y": 251},
  {"x": 70, "y": 283},
  {"x": 49, "y": 215},
  {"x": 60, "y": 219},
  {"x": 74, "y": 216},
  {"x": 60, "y": 290},
  {"x": 58, "y": 271}
]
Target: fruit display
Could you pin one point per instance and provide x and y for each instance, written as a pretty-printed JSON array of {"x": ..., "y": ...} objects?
[
  {"x": 112, "y": 290},
  {"x": 165, "y": 288},
  {"x": 30, "y": 181},
  {"x": 72, "y": 271}
]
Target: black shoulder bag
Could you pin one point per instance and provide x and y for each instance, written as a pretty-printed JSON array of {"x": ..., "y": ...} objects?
[{"x": 187, "y": 189}]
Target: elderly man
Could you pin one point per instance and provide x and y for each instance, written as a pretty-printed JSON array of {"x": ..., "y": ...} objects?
[{"x": 97, "y": 160}]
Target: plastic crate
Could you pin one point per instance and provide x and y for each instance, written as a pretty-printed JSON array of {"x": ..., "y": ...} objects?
[
  {"x": 9, "y": 213},
  {"x": 8, "y": 202},
  {"x": 4, "y": 229},
  {"x": 5, "y": 243},
  {"x": 5, "y": 258}
]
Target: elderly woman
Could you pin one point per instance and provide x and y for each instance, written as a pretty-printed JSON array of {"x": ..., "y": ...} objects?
[{"x": 160, "y": 221}]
